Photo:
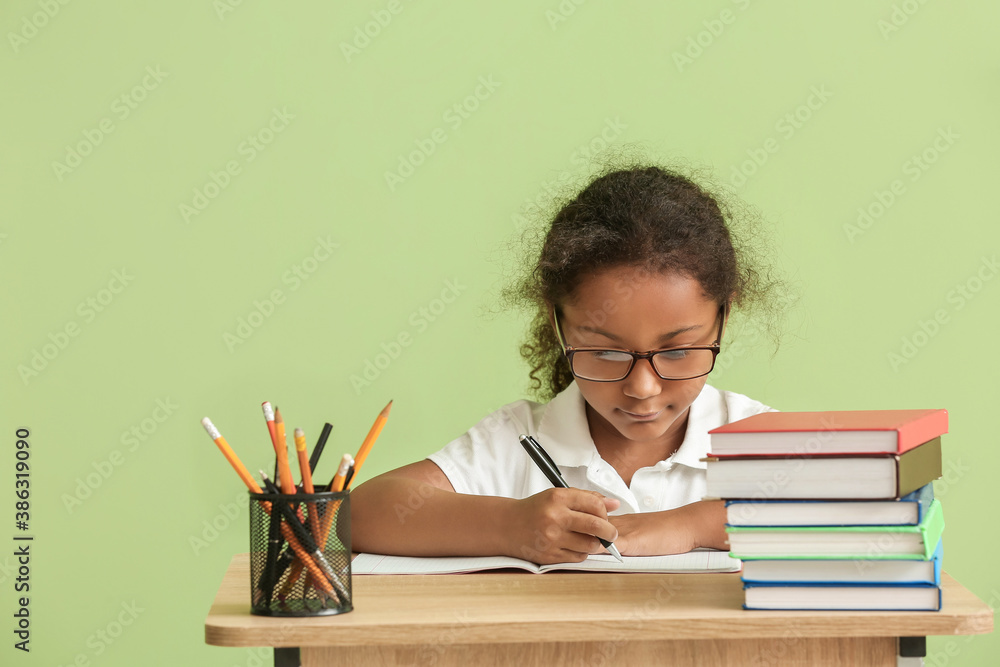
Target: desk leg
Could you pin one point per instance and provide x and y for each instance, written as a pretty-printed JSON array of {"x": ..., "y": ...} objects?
[
  {"x": 911, "y": 651},
  {"x": 913, "y": 647},
  {"x": 287, "y": 657}
]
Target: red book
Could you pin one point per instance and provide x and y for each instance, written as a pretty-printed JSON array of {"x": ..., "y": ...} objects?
[{"x": 830, "y": 432}]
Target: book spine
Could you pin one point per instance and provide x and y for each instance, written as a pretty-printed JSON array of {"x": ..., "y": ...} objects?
[
  {"x": 918, "y": 467},
  {"x": 917, "y": 432}
]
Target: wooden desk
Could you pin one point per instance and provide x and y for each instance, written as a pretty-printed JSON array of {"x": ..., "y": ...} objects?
[{"x": 580, "y": 618}]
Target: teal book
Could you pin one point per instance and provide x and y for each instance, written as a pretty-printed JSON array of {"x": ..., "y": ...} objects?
[
  {"x": 840, "y": 542},
  {"x": 827, "y": 572}
]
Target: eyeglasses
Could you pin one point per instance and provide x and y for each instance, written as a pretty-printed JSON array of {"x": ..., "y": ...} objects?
[{"x": 683, "y": 362}]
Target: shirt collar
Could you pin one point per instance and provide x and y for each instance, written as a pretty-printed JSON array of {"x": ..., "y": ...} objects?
[
  {"x": 703, "y": 415},
  {"x": 564, "y": 433},
  {"x": 563, "y": 430}
]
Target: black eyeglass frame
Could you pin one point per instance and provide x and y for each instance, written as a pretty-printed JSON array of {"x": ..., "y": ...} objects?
[{"x": 715, "y": 347}]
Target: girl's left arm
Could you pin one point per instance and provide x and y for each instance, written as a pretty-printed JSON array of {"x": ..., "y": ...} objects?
[{"x": 700, "y": 524}]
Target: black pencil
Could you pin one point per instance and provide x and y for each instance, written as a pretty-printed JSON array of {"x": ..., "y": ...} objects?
[{"x": 274, "y": 542}]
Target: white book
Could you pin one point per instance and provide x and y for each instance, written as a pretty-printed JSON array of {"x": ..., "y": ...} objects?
[
  {"x": 895, "y": 598},
  {"x": 761, "y": 543},
  {"x": 839, "y": 571},
  {"x": 699, "y": 560},
  {"x": 820, "y": 478},
  {"x": 829, "y": 513}
]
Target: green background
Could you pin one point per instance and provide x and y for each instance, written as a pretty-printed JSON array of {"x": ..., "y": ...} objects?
[{"x": 564, "y": 74}]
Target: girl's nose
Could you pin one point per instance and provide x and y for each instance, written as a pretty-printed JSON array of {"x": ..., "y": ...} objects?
[{"x": 642, "y": 382}]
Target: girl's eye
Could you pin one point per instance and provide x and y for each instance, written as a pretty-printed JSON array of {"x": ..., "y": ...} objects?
[
  {"x": 674, "y": 355},
  {"x": 612, "y": 355}
]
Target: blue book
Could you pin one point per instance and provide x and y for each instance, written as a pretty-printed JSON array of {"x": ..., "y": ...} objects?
[
  {"x": 878, "y": 572},
  {"x": 908, "y": 511}
]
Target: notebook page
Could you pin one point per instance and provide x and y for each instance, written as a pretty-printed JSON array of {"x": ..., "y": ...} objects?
[
  {"x": 693, "y": 561},
  {"x": 380, "y": 564}
]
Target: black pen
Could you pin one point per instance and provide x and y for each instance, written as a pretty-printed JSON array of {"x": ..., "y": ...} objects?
[
  {"x": 320, "y": 444},
  {"x": 549, "y": 469}
]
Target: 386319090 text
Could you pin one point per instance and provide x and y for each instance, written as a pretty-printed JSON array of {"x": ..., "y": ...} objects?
[{"x": 22, "y": 542}]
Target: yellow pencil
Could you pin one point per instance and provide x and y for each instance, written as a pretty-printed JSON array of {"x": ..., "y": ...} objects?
[
  {"x": 370, "y": 439},
  {"x": 284, "y": 472},
  {"x": 307, "y": 483}
]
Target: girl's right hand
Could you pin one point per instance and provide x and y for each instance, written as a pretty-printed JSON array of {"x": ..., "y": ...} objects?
[{"x": 560, "y": 525}]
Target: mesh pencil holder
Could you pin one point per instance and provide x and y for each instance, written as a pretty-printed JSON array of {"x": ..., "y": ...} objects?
[{"x": 300, "y": 554}]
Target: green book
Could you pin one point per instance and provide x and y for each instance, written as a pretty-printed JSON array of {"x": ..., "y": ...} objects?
[{"x": 846, "y": 542}]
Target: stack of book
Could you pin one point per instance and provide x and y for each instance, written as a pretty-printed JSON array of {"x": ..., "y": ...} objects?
[{"x": 833, "y": 510}]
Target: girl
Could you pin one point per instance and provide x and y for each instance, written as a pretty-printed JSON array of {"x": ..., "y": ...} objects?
[{"x": 632, "y": 291}]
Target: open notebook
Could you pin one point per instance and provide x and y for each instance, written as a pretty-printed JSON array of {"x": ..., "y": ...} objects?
[{"x": 699, "y": 560}]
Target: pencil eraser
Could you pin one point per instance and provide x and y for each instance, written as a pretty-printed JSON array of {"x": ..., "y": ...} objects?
[
  {"x": 268, "y": 411},
  {"x": 210, "y": 427}
]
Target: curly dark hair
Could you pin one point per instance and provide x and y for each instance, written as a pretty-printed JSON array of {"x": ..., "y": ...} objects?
[{"x": 646, "y": 217}]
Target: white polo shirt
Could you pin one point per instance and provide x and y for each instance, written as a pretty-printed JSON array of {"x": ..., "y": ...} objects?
[{"x": 489, "y": 460}]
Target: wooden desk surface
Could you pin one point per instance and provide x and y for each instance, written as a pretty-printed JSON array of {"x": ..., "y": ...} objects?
[{"x": 515, "y": 606}]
